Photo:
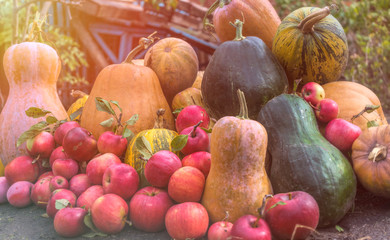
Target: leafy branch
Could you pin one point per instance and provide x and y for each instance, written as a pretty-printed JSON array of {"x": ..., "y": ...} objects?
[{"x": 367, "y": 109}]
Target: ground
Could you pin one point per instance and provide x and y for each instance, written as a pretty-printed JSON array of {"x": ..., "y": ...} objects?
[{"x": 369, "y": 219}]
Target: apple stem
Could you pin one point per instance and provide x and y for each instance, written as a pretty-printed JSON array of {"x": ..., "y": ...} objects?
[
  {"x": 289, "y": 196},
  {"x": 193, "y": 131}
]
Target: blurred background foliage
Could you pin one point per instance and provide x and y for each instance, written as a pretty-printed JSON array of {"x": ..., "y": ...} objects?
[{"x": 367, "y": 26}]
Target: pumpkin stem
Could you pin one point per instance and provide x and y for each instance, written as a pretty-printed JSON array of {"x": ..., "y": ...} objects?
[
  {"x": 159, "y": 123},
  {"x": 144, "y": 43},
  {"x": 243, "y": 107},
  {"x": 378, "y": 153},
  {"x": 307, "y": 24},
  {"x": 77, "y": 93},
  {"x": 213, "y": 7},
  {"x": 238, "y": 24}
]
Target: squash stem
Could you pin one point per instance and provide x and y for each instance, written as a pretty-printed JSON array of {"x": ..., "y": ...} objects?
[
  {"x": 159, "y": 123},
  {"x": 378, "y": 153},
  {"x": 238, "y": 24},
  {"x": 307, "y": 24},
  {"x": 243, "y": 107},
  {"x": 144, "y": 43}
]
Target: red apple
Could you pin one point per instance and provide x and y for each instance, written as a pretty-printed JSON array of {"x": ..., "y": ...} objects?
[
  {"x": 190, "y": 116},
  {"x": 96, "y": 167},
  {"x": 63, "y": 129},
  {"x": 121, "y": 179},
  {"x": 198, "y": 140},
  {"x": 326, "y": 110},
  {"x": 57, "y": 194},
  {"x": 187, "y": 220},
  {"x": 79, "y": 183},
  {"x": 69, "y": 222},
  {"x": 160, "y": 167},
  {"x": 4, "y": 186},
  {"x": 21, "y": 168},
  {"x": 65, "y": 167},
  {"x": 342, "y": 133},
  {"x": 148, "y": 208},
  {"x": 186, "y": 185},
  {"x": 250, "y": 227},
  {"x": 200, "y": 160},
  {"x": 42, "y": 144},
  {"x": 109, "y": 213},
  {"x": 45, "y": 174},
  {"x": 219, "y": 230},
  {"x": 58, "y": 153},
  {"x": 284, "y": 211},
  {"x": 88, "y": 197},
  {"x": 313, "y": 93},
  {"x": 58, "y": 182},
  {"x": 79, "y": 144},
  {"x": 18, "y": 194},
  {"x": 40, "y": 192},
  {"x": 109, "y": 142}
]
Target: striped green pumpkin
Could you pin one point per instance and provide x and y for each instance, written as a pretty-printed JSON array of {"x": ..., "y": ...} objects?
[
  {"x": 311, "y": 45},
  {"x": 159, "y": 139}
]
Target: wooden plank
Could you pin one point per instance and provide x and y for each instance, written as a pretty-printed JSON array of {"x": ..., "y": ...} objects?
[
  {"x": 111, "y": 9},
  {"x": 88, "y": 42}
]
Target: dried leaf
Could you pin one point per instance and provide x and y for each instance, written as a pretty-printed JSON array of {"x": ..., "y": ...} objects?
[
  {"x": 143, "y": 148},
  {"x": 35, "y": 112},
  {"x": 179, "y": 142},
  {"x": 51, "y": 119},
  {"x": 107, "y": 123}
]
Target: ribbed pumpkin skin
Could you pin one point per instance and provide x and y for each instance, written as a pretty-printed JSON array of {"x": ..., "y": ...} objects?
[
  {"x": 319, "y": 57},
  {"x": 303, "y": 160},
  {"x": 352, "y": 97},
  {"x": 237, "y": 181},
  {"x": 137, "y": 90},
  {"x": 248, "y": 65},
  {"x": 159, "y": 139},
  {"x": 261, "y": 19},
  {"x": 176, "y": 64},
  {"x": 373, "y": 175},
  {"x": 32, "y": 71}
]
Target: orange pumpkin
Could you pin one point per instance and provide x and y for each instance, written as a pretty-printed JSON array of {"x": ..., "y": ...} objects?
[
  {"x": 32, "y": 71},
  {"x": 176, "y": 64},
  {"x": 137, "y": 90},
  {"x": 352, "y": 98},
  {"x": 371, "y": 159}
]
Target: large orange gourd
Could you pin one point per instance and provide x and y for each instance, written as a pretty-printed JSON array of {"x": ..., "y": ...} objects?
[
  {"x": 32, "y": 71},
  {"x": 137, "y": 90}
]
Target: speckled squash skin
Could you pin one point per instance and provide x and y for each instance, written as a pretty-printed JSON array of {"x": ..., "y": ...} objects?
[
  {"x": 237, "y": 181},
  {"x": 32, "y": 71},
  {"x": 319, "y": 55}
]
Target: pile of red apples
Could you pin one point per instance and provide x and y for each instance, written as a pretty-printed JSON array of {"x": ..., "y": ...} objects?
[{"x": 77, "y": 179}]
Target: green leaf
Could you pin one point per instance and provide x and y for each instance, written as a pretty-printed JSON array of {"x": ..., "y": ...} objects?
[
  {"x": 143, "y": 146},
  {"x": 51, "y": 119},
  {"x": 179, "y": 142},
  {"x": 88, "y": 222},
  {"x": 371, "y": 108},
  {"x": 31, "y": 133},
  {"x": 76, "y": 113},
  {"x": 107, "y": 123},
  {"x": 132, "y": 120},
  {"x": 339, "y": 229},
  {"x": 276, "y": 204},
  {"x": 116, "y": 104},
  {"x": 104, "y": 106},
  {"x": 127, "y": 133},
  {"x": 372, "y": 123},
  {"x": 177, "y": 111},
  {"x": 94, "y": 234},
  {"x": 61, "y": 203},
  {"x": 35, "y": 112},
  {"x": 207, "y": 130}
]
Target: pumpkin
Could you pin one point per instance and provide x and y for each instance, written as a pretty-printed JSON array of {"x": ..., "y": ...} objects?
[
  {"x": 176, "y": 64},
  {"x": 352, "y": 98},
  {"x": 198, "y": 81},
  {"x": 137, "y": 90},
  {"x": 261, "y": 19},
  {"x": 32, "y": 71},
  {"x": 79, "y": 103},
  {"x": 187, "y": 97},
  {"x": 245, "y": 63},
  {"x": 303, "y": 160},
  {"x": 371, "y": 159},
  {"x": 237, "y": 181},
  {"x": 158, "y": 137},
  {"x": 311, "y": 45}
]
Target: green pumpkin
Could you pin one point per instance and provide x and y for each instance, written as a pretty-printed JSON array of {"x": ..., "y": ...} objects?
[
  {"x": 244, "y": 63},
  {"x": 311, "y": 45}
]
